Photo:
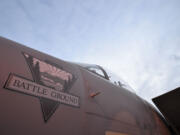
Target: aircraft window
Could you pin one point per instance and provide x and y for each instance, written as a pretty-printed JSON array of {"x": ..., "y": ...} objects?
[
  {"x": 113, "y": 78},
  {"x": 96, "y": 71},
  {"x": 107, "y": 74}
]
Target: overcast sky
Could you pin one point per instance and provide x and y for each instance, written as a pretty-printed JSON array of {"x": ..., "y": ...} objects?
[{"x": 138, "y": 40}]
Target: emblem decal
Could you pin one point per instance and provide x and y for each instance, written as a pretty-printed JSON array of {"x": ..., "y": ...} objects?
[{"x": 50, "y": 84}]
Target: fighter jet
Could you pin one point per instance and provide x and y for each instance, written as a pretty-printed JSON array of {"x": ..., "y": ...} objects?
[{"x": 43, "y": 95}]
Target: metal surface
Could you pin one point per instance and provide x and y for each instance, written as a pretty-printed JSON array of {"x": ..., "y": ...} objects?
[{"x": 28, "y": 106}]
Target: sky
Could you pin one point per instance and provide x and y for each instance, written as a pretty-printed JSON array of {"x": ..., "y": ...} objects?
[{"x": 138, "y": 40}]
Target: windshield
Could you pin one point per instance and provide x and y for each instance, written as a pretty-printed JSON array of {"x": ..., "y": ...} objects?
[
  {"x": 115, "y": 79},
  {"x": 108, "y": 75}
]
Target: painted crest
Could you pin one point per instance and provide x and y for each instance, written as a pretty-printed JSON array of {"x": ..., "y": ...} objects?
[{"x": 51, "y": 84}]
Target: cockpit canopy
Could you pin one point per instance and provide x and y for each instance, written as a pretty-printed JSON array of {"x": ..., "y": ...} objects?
[{"x": 107, "y": 74}]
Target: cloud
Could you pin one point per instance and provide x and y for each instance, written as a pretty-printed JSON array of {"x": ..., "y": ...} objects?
[{"x": 138, "y": 40}]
